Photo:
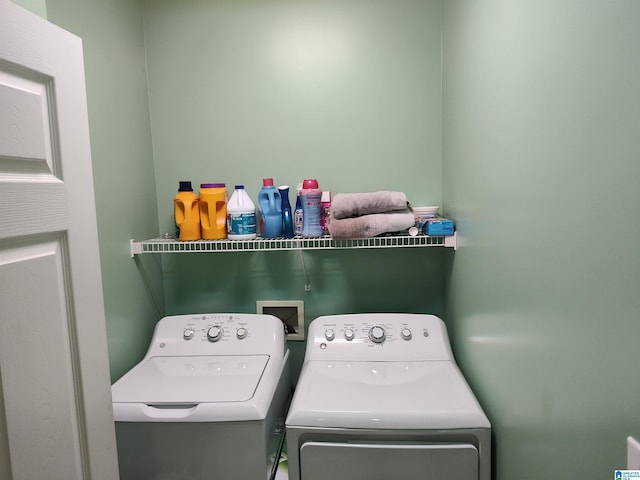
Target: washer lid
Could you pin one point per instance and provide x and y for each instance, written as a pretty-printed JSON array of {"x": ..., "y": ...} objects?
[
  {"x": 191, "y": 380},
  {"x": 384, "y": 395}
]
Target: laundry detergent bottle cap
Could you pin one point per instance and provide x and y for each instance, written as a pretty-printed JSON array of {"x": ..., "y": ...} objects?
[
  {"x": 310, "y": 183},
  {"x": 184, "y": 186}
]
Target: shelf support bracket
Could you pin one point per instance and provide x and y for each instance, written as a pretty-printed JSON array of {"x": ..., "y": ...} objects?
[
  {"x": 135, "y": 247},
  {"x": 451, "y": 241},
  {"x": 307, "y": 285}
]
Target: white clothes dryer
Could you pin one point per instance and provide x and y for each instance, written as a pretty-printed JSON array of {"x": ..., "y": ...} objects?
[
  {"x": 380, "y": 397},
  {"x": 207, "y": 401}
]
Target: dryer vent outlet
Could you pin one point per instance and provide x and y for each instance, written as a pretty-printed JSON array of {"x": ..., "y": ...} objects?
[{"x": 291, "y": 312}]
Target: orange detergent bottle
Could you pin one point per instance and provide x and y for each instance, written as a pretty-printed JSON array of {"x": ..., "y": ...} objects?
[
  {"x": 187, "y": 213},
  {"x": 213, "y": 210}
]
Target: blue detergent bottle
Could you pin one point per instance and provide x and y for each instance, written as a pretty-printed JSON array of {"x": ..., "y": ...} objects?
[
  {"x": 287, "y": 215},
  {"x": 270, "y": 205}
]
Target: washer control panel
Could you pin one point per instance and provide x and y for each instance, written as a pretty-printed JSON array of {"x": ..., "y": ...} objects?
[
  {"x": 380, "y": 336},
  {"x": 217, "y": 333}
]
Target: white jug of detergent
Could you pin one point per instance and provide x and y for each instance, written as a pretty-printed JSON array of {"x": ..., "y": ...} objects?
[{"x": 241, "y": 215}]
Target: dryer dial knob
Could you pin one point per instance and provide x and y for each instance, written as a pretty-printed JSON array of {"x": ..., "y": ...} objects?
[
  {"x": 214, "y": 333},
  {"x": 188, "y": 333},
  {"x": 377, "y": 334},
  {"x": 329, "y": 334},
  {"x": 406, "y": 334},
  {"x": 349, "y": 335},
  {"x": 241, "y": 333}
]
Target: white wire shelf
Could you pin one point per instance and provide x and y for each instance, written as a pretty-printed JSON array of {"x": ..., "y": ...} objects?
[{"x": 171, "y": 245}]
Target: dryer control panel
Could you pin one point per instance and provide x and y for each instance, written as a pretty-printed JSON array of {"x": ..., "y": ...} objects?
[
  {"x": 378, "y": 337},
  {"x": 218, "y": 334}
]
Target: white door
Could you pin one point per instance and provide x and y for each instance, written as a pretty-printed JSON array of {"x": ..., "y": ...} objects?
[{"x": 56, "y": 418}]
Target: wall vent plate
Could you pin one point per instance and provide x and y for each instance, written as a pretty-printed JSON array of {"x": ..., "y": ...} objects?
[{"x": 291, "y": 312}]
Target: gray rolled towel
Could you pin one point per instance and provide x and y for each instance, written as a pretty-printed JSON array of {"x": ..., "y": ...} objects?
[
  {"x": 345, "y": 205},
  {"x": 372, "y": 225}
]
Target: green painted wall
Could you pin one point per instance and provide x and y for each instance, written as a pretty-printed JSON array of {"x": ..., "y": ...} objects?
[
  {"x": 39, "y": 7},
  {"x": 348, "y": 93},
  {"x": 541, "y": 147},
  {"x": 122, "y": 166}
]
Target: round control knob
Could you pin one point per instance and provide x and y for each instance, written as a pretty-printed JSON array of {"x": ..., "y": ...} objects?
[
  {"x": 188, "y": 333},
  {"x": 406, "y": 334},
  {"x": 348, "y": 334},
  {"x": 214, "y": 333},
  {"x": 241, "y": 333},
  {"x": 377, "y": 334},
  {"x": 329, "y": 334}
]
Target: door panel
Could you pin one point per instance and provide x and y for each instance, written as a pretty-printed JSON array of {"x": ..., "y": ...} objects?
[
  {"x": 56, "y": 416},
  {"x": 371, "y": 461},
  {"x": 41, "y": 420}
]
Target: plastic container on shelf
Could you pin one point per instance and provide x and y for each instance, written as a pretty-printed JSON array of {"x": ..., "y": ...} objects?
[
  {"x": 311, "y": 196},
  {"x": 270, "y": 207},
  {"x": 424, "y": 214},
  {"x": 186, "y": 213},
  {"x": 297, "y": 214},
  {"x": 241, "y": 215},
  {"x": 325, "y": 206},
  {"x": 287, "y": 215},
  {"x": 213, "y": 210}
]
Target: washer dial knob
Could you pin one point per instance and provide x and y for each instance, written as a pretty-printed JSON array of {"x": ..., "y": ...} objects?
[
  {"x": 214, "y": 333},
  {"x": 406, "y": 333},
  {"x": 241, "y": 333},
  {"x": 377, "y": 334},
  {"x": 188, "y": 333},
  {"x": 329, "y": 334},
  {"x": 348, "y": 334}
]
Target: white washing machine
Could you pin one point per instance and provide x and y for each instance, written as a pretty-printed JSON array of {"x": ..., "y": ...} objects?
[
  {"x": 207, "y": 401},
  {"x": 380, "y": 397}
]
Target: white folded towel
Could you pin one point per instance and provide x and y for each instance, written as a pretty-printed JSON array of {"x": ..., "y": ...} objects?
[
  {"x": 345, "y": 205},
  {"x": 372, "y": 225}
]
